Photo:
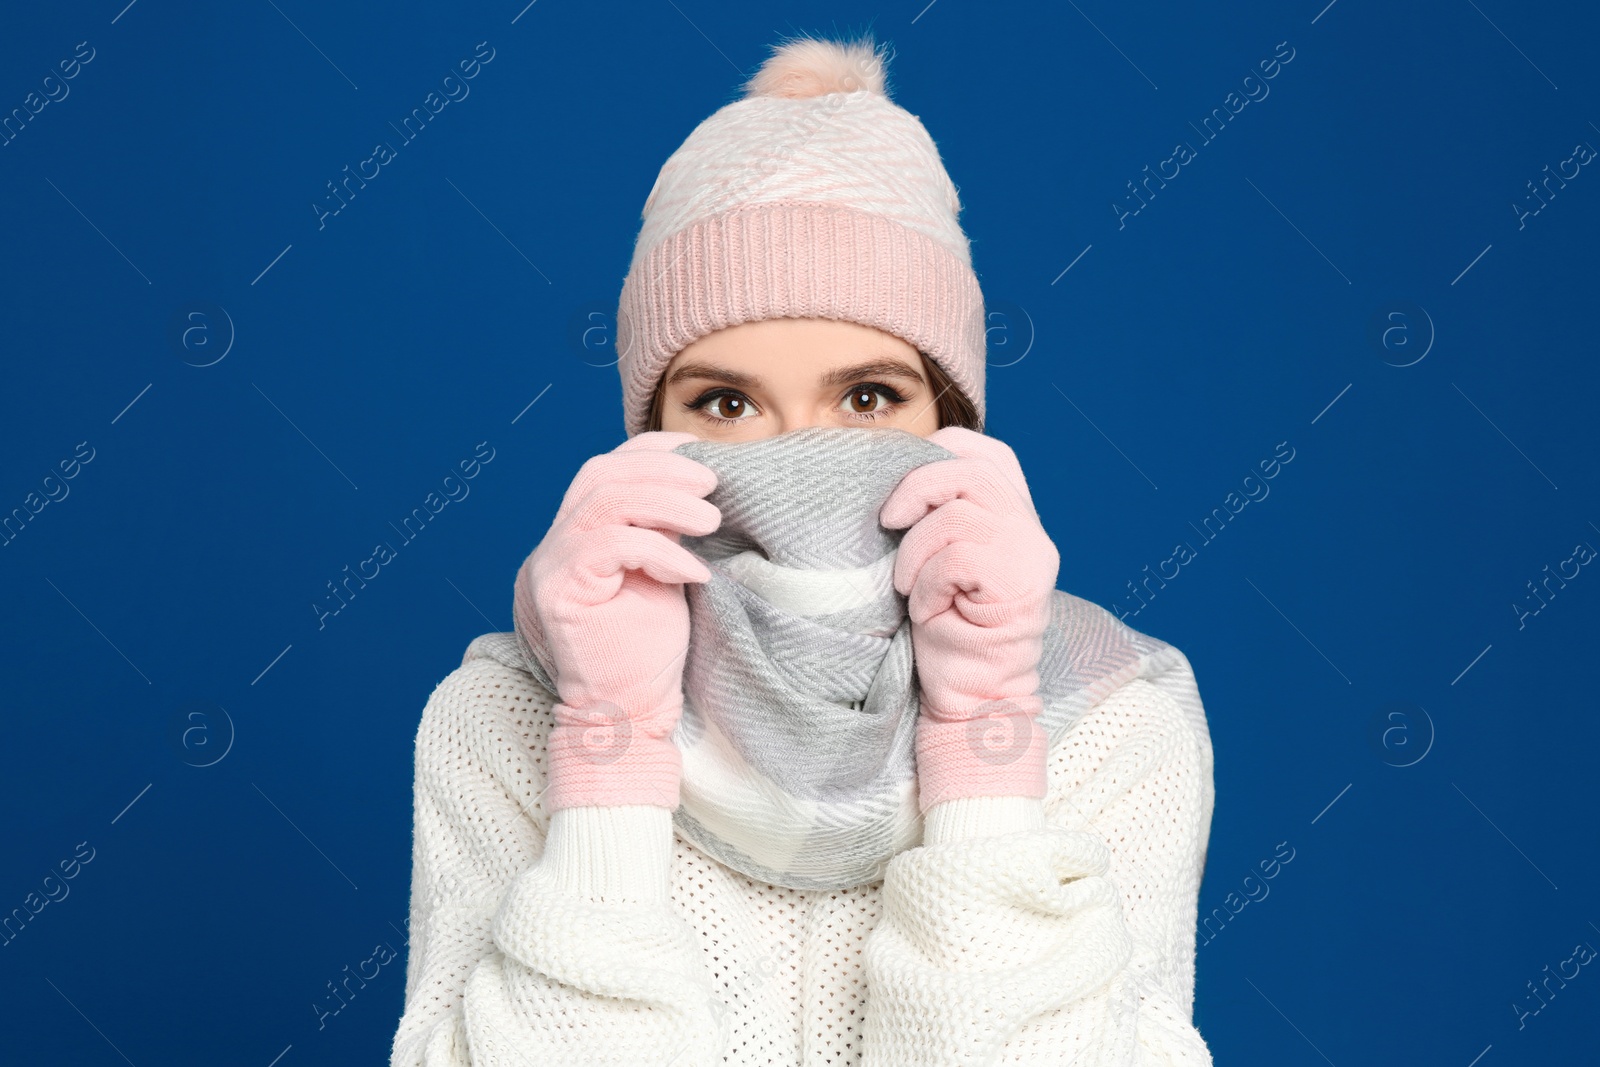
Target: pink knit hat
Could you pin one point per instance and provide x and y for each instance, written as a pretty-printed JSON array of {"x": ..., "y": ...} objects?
[{"x": 812, "y": 196}]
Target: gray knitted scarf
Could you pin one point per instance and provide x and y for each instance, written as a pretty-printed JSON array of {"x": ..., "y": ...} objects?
[{"x": 800, "y": 696}]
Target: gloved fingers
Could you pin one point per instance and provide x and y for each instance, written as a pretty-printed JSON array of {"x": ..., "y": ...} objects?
[
  {"x": 654, "y": 507},
  {"x": 957, "y": 520},
  {"x": 645, "y": 469},
  {"x": 952, "y": 570},
  {"x": 655, "y": 441},
  {"x": 933, "y": 484},
  {"x": 996, "y": 571},
  {"x": 970, "y": 444},
  {"x": 607, "y": 551}
]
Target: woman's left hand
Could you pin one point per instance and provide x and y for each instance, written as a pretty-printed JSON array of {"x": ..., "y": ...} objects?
[{"x": 979, "y": 571}]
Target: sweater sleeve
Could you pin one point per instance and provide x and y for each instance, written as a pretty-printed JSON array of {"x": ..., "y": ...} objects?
[
  {"x": 1015, "y": 935},
  {"x": 537, "y": 939}
]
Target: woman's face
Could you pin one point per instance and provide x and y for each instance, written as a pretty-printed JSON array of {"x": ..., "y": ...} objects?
[{"x": 761, "y": 379}]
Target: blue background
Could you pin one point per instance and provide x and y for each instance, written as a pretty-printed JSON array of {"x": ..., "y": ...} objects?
[{"x": 1376, "y": 699}]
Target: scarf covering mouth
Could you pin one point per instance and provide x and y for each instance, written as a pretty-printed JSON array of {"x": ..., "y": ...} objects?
[{"x": 800, "y": 698}]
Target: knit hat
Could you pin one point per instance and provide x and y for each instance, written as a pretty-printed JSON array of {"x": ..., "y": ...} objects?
[{"x": 812, "y": 196}]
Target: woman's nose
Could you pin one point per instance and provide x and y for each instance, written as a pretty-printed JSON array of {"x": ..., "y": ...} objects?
[{"x": 788, "y": 420}]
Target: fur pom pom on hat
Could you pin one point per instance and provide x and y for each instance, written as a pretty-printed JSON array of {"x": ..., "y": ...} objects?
[
  {"x": 809, "y": 67},
  {"x": 813, "y": 195}
]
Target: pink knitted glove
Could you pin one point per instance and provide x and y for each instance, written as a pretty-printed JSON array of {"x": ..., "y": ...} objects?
[
  {"x": 979, "y": 571},
  {"x": 606, "y": 586}
]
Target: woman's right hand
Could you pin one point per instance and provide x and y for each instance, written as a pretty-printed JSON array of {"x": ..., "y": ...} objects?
[{"x": 606, "y": 584}]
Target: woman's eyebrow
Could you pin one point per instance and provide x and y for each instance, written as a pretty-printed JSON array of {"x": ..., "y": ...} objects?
[
  {"x": 875, "y": 368},
  {"x": 712, "y": 372}
]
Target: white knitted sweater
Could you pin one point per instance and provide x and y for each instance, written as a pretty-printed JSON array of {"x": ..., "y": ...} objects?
[{"x": 1017, "y": 933}]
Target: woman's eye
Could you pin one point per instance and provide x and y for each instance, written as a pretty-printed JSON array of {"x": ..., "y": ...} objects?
[
  {"x": 728, "y": 406},
  {"x": 865, "y": 401}
]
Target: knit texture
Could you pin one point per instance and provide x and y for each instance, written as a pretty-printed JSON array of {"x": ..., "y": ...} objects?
[
  {"x": 805, "y": 761},
  {"x": 1019, "y": 931},
  {"x": 605, "y": 587},
  {"x": 812, "y": 196}
]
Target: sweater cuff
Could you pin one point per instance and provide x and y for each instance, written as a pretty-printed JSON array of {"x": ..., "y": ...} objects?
[
  {"x": 969, "y": 817},
  {"x": 611, "y": 853}
]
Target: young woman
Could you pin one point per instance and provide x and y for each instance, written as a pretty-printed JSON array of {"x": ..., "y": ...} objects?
[{"x": 698, "y": 808}]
